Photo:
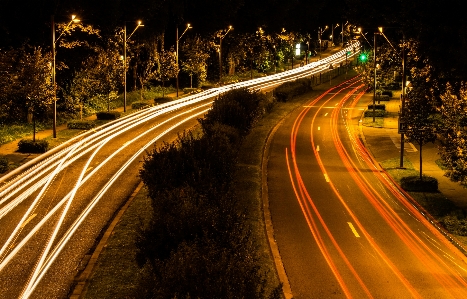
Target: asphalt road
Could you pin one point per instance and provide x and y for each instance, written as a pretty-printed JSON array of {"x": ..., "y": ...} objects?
[{"x": 342, "y": 227}]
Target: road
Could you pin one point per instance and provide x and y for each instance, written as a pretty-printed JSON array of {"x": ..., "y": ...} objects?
[
  {"x": 342, "y": 227},
  {"x": 54, "y": 208}
]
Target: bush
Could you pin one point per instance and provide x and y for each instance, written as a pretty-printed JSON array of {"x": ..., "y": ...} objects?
[
  {"x": 190, "y": 90},
  {"x": 162, "y": 100},
  {"x": 387, "y": 93},
  {"x": 139, "y": 105},
  {"x": 377, "y": 107},
  {"x": 378, "y": 113},
  {"x": 3, "y": 164},
  {"x": 413, "y": 183},
  {"x": 81, "y": 124},
  {"x": 108, "y": 115},
  {"x": 455, "y": 225},
  {"x": 29, "y": 146},
  {"x": 286, "y": 91}
]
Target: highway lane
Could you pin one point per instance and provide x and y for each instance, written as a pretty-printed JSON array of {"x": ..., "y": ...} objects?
[{"x": 342, "y": 227}]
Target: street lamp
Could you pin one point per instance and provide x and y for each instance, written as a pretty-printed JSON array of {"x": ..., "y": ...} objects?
[
  {"x": 320, "y": 33},
  {"x": 332, "y": 34},
  {"x": 188, "y": 26},
  {"x": 374, "y": 64},
  {"x": 125, "y": 40},
  {"x": 221, "y": 37},
  {"x": 54, "y": 85}
]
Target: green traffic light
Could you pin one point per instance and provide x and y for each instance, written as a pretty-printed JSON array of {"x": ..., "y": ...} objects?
[{"x": 363, "y": 57}]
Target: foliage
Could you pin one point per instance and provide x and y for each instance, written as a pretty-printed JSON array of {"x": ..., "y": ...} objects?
[
  {"x": 199, "y": 234},
  {"x": 286, "y": 91},
  {"x": 81, "y": 124},
  {"x": 4, "y": 167},
  {"x": 417, "y": 184},
  {"x": 377, "y": 107},
  {"x": 195, "y": 55},
  {"x": 167, "y": 66},
  {"x": 455, "y": 225},
  {"x": 378, "y": 113},
  {"x": 25, "y": 88},
  {"x": 108, "y": 115},
  {"x": 146, "y": 67},
  {"x": 239, "y": 108},
  {"x": 139, "y": 105},
  {"x": 29, "y": 146},
  {"x": 453, "y": 149}
]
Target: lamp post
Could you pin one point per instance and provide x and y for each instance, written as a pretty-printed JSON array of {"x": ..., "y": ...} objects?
[
  {"x": 374, "y": 64},
  {"x": 188, "y": 26},
  {"x": 320, "y": 33},
  {"x": 125, "y": 40},
  {"x": 54, "y": 85},
  {"x": 401, "y": 117},
  {"x": 221, "y": 37}
]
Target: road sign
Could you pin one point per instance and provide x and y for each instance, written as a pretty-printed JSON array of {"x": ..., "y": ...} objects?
[{"x": 402, "y": 127}]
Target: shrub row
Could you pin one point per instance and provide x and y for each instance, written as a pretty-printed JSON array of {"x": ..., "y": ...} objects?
[
  {"x": 29, "y": 146},
  {"x": 387, "y": 93},
  {"x": 4, "y": 164},
  {"x": 81, "y": 124},
  {"x": 191, "y": 90},
  {"x": 162, "y": 100},
  {"x": 108, "y": 115},
  {"x": 139, "y": 105},
  {"x": 378, "y": 113},
  {"x": 198, "y": 243},
  {"x": 414, "y": 183},
  {"x": 288, "y": 90},
  {"x": 377, "y": 107}
]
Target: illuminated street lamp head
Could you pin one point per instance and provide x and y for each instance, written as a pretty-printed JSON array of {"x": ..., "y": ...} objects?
[
  {"x": 380, "y": 29},
  {"x": 188, "y": 26},
  {"x": 139, "y": 24},
  {"x": 74, "y": 19}
]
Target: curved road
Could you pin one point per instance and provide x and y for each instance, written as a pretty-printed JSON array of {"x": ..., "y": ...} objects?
[{"x": 343, "y": 229}]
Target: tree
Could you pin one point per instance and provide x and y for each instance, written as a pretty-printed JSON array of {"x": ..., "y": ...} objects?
[
  {"x": 195, "y": 55},
  {"x": 168, "y": 68},
  {"x": 420, "y": 104},
  {"x": 26, "y": 89},
  {"x": 453, "y": 129},
  {"x": 146, "y": 67}
]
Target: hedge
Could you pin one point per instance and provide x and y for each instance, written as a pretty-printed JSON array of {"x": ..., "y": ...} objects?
[
  {"x": 139, "y": 105},
  {"x": 81, "y": 124},
  {"x": 288, "y": 90},
  {"x": 387, "y": 93},
  {"x": 3, "y": 164},
  {"x": 378, "y": 113},
  {"x": 377, "y": 107},
  {"x": 191, "y": 90},
  {"x": 29, "y": 146},
  {"x": 162, "y": 100},
  {"x": 108, "y": 115},
  {"x": 413, "y": 183}
]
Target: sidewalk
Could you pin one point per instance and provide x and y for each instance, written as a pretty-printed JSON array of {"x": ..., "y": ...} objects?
[{"x": 384, "y": 143}]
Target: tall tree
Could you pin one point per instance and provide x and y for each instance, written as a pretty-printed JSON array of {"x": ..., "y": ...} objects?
[
  {"x": 195, "y": 53},
  {"x": 168, "y": 68}
]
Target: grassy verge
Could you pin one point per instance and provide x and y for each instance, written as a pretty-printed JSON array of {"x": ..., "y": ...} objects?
[
  {"x": 116, "y": 272},
  {"x": 436, "y": 204}
]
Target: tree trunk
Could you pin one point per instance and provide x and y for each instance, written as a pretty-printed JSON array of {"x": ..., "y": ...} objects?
[
  {"x": 33, "y": 128},
  {"x": 163, "y": 89},
  {"x": 191, "y": 80},
  {"x": 421, "y": 176}
]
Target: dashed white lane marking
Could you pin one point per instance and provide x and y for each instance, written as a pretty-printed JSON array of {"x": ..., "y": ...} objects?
[{"x": 352, "y": 228}]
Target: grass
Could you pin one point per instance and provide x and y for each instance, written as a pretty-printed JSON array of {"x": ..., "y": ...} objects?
[
  {"x": 12, "y": 132},
  {"x": 368, "y": 122},
  {"x": 116, "y": 272},
  {"x": 444, "y": 211}
]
